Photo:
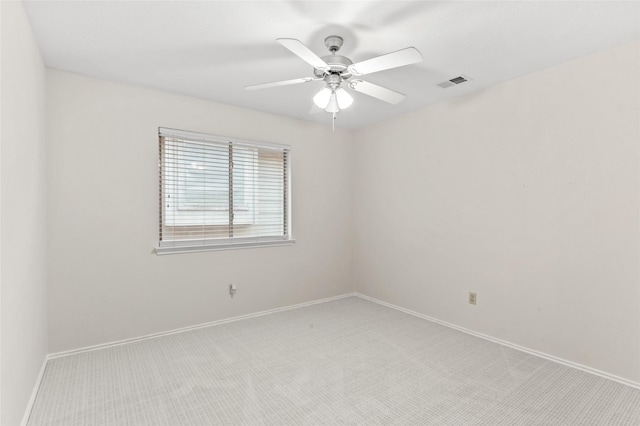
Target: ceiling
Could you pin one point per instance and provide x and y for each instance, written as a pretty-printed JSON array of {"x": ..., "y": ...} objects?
[{"x": 213, "y": 49}]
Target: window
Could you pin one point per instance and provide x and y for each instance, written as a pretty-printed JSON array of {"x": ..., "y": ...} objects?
[{"x": 219, "y": 192}]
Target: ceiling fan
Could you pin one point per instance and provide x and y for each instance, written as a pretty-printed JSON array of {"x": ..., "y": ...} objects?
[{"x": 335, "y": 70}]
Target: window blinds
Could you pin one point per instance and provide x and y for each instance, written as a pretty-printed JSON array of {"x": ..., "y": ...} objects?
[{"x": 216, "y": 190}]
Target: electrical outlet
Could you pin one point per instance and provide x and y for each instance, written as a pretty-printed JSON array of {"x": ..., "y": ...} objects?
[
  {"x": 232, "y": 290},
  {"x": 472, "y": 298}
]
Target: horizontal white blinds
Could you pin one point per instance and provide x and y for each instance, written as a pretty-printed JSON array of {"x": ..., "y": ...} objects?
[{"x": 215, "y": 191}]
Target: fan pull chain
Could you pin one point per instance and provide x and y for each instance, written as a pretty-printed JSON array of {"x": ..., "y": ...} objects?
[{"x": 333, "y": 123}]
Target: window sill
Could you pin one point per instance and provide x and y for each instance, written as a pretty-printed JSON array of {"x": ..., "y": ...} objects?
[{"x": 225, "y": 246}]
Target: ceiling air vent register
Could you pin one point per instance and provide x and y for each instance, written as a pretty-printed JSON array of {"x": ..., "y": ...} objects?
[{"x": 452, "y": 82}]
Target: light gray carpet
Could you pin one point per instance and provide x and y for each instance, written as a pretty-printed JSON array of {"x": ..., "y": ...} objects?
[{"x": 349, "y": 361}]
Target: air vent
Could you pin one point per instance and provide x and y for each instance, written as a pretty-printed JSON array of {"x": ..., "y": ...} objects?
[
  {"x": 458, "y": 80},
  {"x": 454, "y": 81}
]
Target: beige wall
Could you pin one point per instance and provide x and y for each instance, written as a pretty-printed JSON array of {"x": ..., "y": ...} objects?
[
  {"x": 105, "y": 282},
  {"x": 526, "y": 193},
  {"x": 23, "y": 219}
]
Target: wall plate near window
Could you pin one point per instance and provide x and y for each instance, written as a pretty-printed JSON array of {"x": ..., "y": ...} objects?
[{"x": 221, "y": 193}]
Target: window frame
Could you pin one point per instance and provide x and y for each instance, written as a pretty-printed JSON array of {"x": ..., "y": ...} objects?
[{"x": 199, "y": 245}]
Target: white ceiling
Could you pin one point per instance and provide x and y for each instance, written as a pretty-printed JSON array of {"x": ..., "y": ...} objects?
[{"x": 213, "y": 49}]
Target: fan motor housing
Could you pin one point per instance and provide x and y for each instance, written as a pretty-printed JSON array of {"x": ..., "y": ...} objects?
[{"x": 338, "y": 64}]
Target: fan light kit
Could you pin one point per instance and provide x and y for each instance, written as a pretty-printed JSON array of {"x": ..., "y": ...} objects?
[{"x": 335, "y": 70}]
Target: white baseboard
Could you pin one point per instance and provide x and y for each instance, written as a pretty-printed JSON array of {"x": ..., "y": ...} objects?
[
  {"x": 36, "y": 388},
  {"x": 193, "y": 327},
  {"x": 508, "y": 344}
]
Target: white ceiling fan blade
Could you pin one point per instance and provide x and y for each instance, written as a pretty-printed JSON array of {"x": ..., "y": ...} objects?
[
  {"x": 303, "y": 52},
  {"x": 400, "y": 58},
  {"x": 376, "y": 91},
  {"x": 281, "y": 83}
]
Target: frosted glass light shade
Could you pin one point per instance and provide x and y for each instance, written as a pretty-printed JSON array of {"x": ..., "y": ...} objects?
[
  {"x": 344, "y": 98},
  {"x": 321, "y": 99},
  {"x": 333, "y": 104}
]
